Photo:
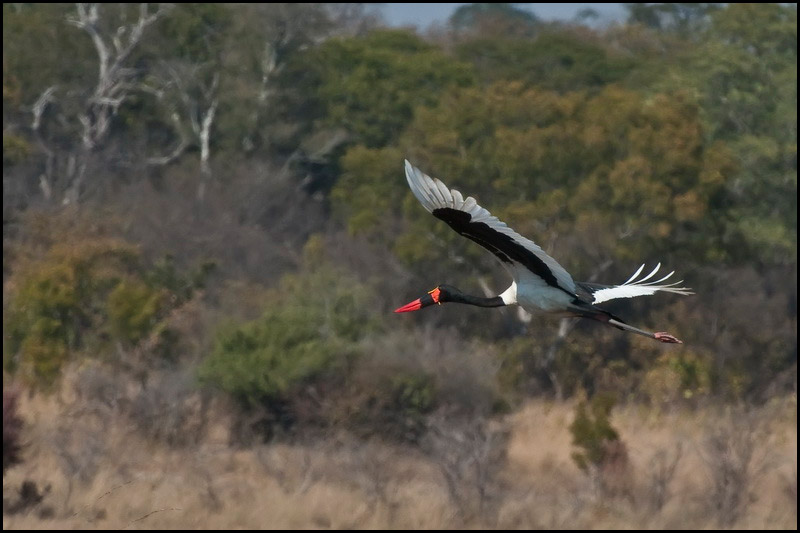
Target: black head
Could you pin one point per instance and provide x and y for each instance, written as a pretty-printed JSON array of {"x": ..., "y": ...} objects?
[{"x": 439, "y": 295}]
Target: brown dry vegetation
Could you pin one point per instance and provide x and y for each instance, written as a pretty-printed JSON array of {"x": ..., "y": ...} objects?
[{"x": 704, "y": 468}]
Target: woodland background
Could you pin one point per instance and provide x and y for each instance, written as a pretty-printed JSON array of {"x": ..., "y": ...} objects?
[{"x": 206, "y": 227}]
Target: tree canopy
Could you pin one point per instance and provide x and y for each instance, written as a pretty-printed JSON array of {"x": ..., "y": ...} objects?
[{"x": 237, "y": 135}]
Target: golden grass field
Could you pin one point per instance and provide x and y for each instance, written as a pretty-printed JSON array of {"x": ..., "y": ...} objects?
[{"x": 96, "y": 471}]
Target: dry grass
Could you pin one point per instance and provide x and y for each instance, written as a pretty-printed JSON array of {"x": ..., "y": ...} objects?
[{"x": 97, "y": 470}]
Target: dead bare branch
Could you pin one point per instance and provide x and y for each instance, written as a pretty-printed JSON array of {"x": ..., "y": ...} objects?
[
  {"x": 113, "y": 49},
  {"x": 152, "y": 513}
]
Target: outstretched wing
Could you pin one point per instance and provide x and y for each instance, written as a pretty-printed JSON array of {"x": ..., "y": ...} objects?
[
  {"x": 633, "y": 287},
  {"x": 476, "y": 223}
]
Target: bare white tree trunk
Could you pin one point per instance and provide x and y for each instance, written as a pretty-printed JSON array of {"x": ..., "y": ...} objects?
[
  {"x": 269, "y": 67},
  {"x": 38, "y": 109},
  {"x": 192, "y": 115},
  {"x": 204, "y": 134},
  {"x": 115, "y": 85},
  {"x": 114, "y": 78}
]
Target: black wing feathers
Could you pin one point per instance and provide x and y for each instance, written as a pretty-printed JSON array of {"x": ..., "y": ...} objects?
[{"x": 500, "y": 244}]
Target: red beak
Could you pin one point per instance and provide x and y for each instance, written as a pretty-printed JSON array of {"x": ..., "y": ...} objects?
[
  {"x": 429, "y": 299},
  {"x": 416, "y": 305}
]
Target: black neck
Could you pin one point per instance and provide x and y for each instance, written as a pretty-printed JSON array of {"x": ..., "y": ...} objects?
[{"x": 477, "y": 300}]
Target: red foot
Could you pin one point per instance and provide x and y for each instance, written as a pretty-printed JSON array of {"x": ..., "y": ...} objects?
[{"x": 666, "y": 337}]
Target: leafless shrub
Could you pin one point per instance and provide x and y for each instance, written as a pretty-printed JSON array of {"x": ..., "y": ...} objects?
[
  {"x": 293, "y": 469},
  {"x": 790, "y": 488},
  {"x": 370, "y": 261},
  {"x": 614, "y": 475},
  {"x": 369, "y": 465},
  {"x": 81, "y": 448},
  {"x": 170, "y": 409},
  {"x": 12, "y": 425},
  {"x": 28, "y": 496},
  {"x": 99, "y": 389},
  {"x": 164, "y": 406},
  {"x": 340, "y": 458},
  {"x": 730, "y": 453},
  {"x": 401, "y": 377},
  {"x": 464, "y": 371},
  {"x": 375, "y": 475},
  {"x": 660, "y": 472},
  {"x": 253, "y": 225},
  {"x": 469, "y": 453}
]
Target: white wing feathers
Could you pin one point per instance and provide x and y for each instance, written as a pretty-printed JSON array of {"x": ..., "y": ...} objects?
[
  {"x": 634, "y": 287},
  {"x": 433, "y": 194}
]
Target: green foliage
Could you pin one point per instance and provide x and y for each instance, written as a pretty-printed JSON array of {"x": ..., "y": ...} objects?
[
  {"x": 414, "y": 394},
  {"x": 671, "y": 138},
  {"x": 364, "y": 202},
  {"x": 685, "y": 19},
  {"x": 15, "y": 149},
  {"x": 514, "y": 362},
  {"x": 745, "y": 75},
  {"x": 262, "y": 361},
  {"x": 133, "y": 310},
  {"x": 371, "y": 85},
  {"x": 554, "y": 60},
  {"x": 411, "y": 396},
  {"x": 498, "y": 19},
  {"x": 58, "y": 301},
  {"x": 549, "y": 164},
  {"x": 197, "y": 31},
  {"x": 77, "y": 298},
  {"x": 40, "y": 49},
  {"x": 677, "y": 378},
  {"x": 309, "y": 330},
  {"x": 391, "y": 401},
  {"x": 592, "y": 431},
  {"x": 182, "y": 286}
]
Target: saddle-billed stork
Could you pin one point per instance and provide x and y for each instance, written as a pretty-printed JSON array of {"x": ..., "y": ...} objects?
[{"x": 540, "y": 284}]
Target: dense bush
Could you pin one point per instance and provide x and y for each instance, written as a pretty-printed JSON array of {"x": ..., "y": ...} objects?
[
  {"x": 84, "y": 296},
  {"x": 308, "y": 332},
  {"x": 59, "y": 305},
  {"x": 592, "y": 432},
  {"x": 132, "y": 309},
  {"x": 384, "y": 399},
  {"x": 371, "y": 85}
]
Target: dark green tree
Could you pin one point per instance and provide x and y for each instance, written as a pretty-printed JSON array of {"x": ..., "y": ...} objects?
[
  {"x": 497, "y": 19},
  {"x": 370, "y": 86},
  {"x": 685, "y": 19}
]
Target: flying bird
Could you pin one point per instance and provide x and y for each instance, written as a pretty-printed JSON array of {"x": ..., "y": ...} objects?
[{"x": 540, "y": 285}]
